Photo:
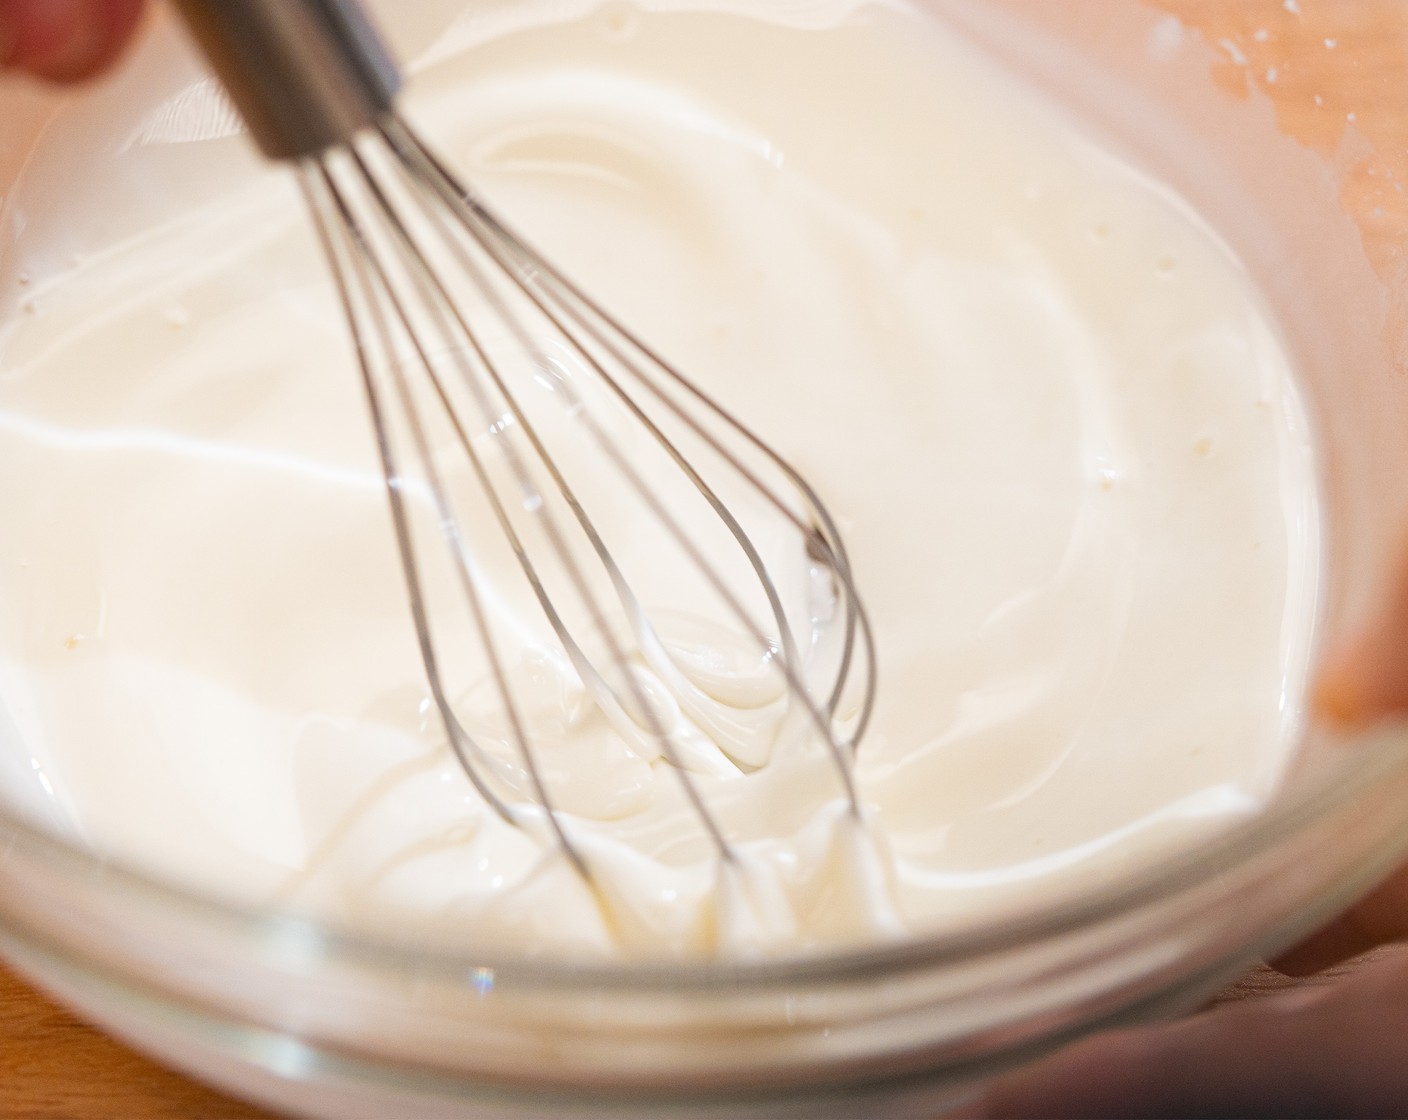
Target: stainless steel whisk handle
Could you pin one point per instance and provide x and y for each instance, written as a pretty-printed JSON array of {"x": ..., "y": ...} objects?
[{"x": 304, "y": 74}]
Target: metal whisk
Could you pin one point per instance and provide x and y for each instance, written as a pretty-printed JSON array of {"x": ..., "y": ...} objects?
[{"x": 623, "y": 500}]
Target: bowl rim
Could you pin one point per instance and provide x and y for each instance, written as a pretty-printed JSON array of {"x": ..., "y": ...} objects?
[{"x": 1380, "y": 757}]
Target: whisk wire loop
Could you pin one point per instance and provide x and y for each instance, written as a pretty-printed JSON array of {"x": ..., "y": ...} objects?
[
  {"x": 341, "y": 240},
  {"x": 370, "y": 276},
  {"x": 537, "y": 277},
  {"x": 442, "y": 307},
  {"x": 572, "y": 310},
  {"x": 393, "y": 221}
]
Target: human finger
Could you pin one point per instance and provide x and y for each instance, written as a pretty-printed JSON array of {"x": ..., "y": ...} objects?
[
  {"x": 65, "y": 40},
  {"x": 1378, "y": 918},
  {"x": 1338, "y": 1050},
  {"x": 1364, "y": 682},
  {"x": 1367, "y": 679}
]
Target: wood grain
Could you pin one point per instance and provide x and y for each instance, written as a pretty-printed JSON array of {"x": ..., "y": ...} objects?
[
  {"x": 55, "y": 1067},
  {"x": 1330, "y": 67}
]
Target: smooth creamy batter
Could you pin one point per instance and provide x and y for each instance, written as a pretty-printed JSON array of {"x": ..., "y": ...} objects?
[{"x": 1048, "y": 407}]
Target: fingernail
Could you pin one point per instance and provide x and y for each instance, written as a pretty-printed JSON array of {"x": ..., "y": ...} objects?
[
  {"x": 80, "y": 44},
  {"x": 9, "y": 36},
  {"x": 56, "y": 39}
]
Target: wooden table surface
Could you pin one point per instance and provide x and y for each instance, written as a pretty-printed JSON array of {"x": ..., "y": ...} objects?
[
  {"x": 1319, "y": 61},
  {"x": 54, "y": 1067}
]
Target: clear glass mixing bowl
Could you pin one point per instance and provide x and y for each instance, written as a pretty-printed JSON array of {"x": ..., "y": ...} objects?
[{"x": 1242, "y": 94}]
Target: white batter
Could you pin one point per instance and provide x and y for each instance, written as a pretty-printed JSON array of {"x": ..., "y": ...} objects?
[{"x": 1048, "y": 407}]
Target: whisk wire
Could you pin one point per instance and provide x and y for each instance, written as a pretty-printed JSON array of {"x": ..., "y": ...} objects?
[
  {"x": 440, "y": 302},
  {"x": 370, "y": 274},
  {"x": 367, "y": 221},
  {"x": 491, "y": 235},
  {"x": 648, "y": 640},
  {"x": 340, "y": 243},
  {"x": 319, "y": 88}
]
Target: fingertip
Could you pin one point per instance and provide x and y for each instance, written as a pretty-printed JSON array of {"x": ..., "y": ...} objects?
[
  {"x": 1367, "y": 679},
  {"x": 48, "y": 37},
  {"x": 1379, "y": 918},
  {"x": 1339, "y": 696},
  {"x": 121, "y": 19},
  {"x": 1365, "y": 682},
  {"x": 65, "y": 40},
  {"x": 1336, "y": 942}
]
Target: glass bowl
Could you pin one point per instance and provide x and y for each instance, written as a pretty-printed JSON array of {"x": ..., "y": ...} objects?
[{"x": 1213, "y": 97}]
